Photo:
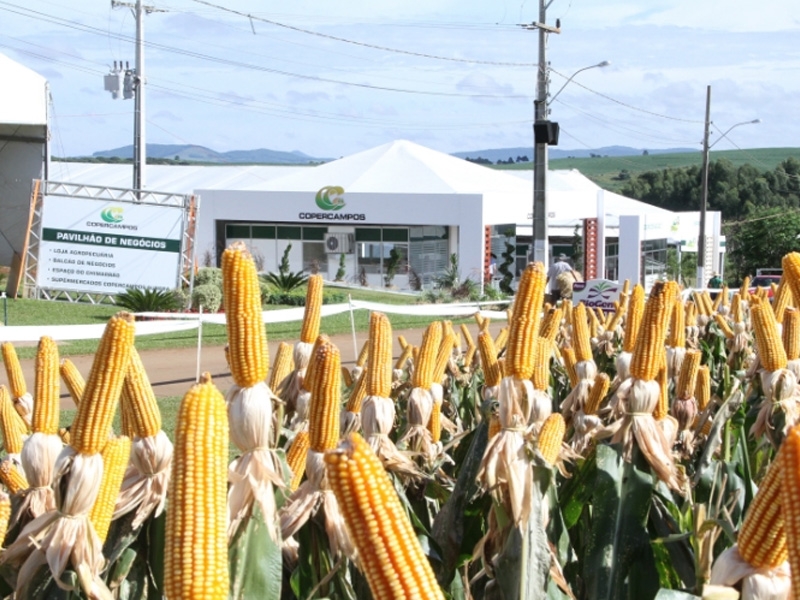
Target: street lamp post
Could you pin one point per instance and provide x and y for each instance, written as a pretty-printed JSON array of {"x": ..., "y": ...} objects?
[{"x": 701, "y": 240}]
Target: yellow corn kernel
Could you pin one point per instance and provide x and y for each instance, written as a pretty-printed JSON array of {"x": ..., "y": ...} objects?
[
  {"x": 725, "y": 295},
  {"x": 402, "y": 341},
  {"x": 138, "y": 394},
  {"x": 478, "y": 319},
  {"x": 736, "y": 308},
  {"x": 404, "y": 356},
  {"x": 89, "y": 432},
  {"x": 551, "y": 436},
  {"x": 11, "y": 423},
  {"x": 662, "y": 406},
  {"x": 426, "y": 364},
  {"x": 568, "y": 354},
  {"x": 501, "y": 364},
  {"x": 5, "y": 515},
  {"x": 723, "y": 325},
  {"x": 542, "y": 353},
  {"x": 762, "y": 538},
  {"x": 788, "y": 461},
  {"x": 580, "y": 334},
  {"x": 358, "y": 394},
  {"x": 247, "y": 337},
  {"x": 443, "y": 357},
  {"x": 379, "y": 369},
  {"x": 347, "y": 377},
  {"x": 597, "y": 394},
  {"x": 488, "y": 354},
  {"x": 311, "y": 368},
  {"x": 770, "y": 347},
  {"x": 687, "y": 380},
  {"x": 717, "y": 303},
  {"x": 363, "y": 355},
  {"x": 467, "y": 335},
  {"x": 392, "y": 559},
  {"x": 435, "y": 422},
  {"x": 296, "y": 458},
  {"x": 677, "y": 326},
  {"x": 633, "y": 318},
  {"x": 469, "y": 355},
  {"x": 126, "y": 417},
  {"x": 702, "y": 389},
  {"x": 551, "y": 324},
  {"x": 791, "y": 274},
  {"x": 566, "y": 306},
  {"x": 790, "y": 334},
  {"x": 197, "y": 515},
  {"x": 652, "y": 332},
  {"x": 323, "y": 412},
  {"x": 282, "y": 366},
  {"x": 691, "y": 314},
  {"x": 12, "y": 477},
  {"x": 744, "y": 291},
  {"x": 47, "y": 387},
  {"x": 73, "y": 380},
  {"x": 524, "y": 323},
  {"x": 616, "y": 317},
  {"x": 311, "y": 315},
  {"x": 115, "y": 462},
  {"x": 63, "y": 433},
  {"x": 781, "y": 300},
  {"x": 16, "y": 379},
  {"x": 501, "y": 340}
]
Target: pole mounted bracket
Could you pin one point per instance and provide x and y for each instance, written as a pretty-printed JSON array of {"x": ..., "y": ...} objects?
[{"x": 545, "y": 26}]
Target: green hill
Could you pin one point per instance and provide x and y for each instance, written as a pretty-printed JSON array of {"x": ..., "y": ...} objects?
[{"x": 610, "y": 172}]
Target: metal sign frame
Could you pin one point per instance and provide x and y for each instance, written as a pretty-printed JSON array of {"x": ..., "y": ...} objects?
[{"x": 188, "y": 202}]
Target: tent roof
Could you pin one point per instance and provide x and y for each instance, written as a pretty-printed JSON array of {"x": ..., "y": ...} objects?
[
  {"x": 23, "y": 94},
  {"x": 400, "y": 167}
]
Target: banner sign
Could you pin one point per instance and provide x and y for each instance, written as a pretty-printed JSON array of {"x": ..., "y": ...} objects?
[
  {"x": 107, "y": 246},
  {"x": 597, "y": 293}
]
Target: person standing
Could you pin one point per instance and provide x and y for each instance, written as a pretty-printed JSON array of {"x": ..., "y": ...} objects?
[{"x": 557, "y": 268}]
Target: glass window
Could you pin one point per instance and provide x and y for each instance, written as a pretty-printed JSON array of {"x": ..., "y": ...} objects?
[
  {"x": 314, "y": 233},
  {"x": 315, "y": 259},
  {"x": 369, "y": 257},
  {"x": 240, "y": 232},
  {"x": 286, "y": 232},
  {"x": 371, "y": 234},
  {"x": 401, "y": 253},
  {"x": 263, "y": 232},
  {"x": 395, "y": 235}
]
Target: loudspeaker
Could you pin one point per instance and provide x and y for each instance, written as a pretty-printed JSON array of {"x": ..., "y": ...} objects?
[{"x": 545, "y": 132}]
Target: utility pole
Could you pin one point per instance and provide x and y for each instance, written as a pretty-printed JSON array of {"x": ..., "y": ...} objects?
[
  {"x": 701, "y": 240},
  {"x": 543, "y": 132}
]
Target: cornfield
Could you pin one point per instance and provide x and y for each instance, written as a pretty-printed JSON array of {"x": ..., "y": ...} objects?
[{"x": 653, "y": 452}]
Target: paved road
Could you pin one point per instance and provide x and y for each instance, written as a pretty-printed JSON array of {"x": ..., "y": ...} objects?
[{"x": 172, "y": 372}]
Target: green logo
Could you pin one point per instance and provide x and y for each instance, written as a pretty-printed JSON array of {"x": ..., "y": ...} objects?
[
  {"x": 330, "y": 197},
  {"x": 112, "y": 214}
]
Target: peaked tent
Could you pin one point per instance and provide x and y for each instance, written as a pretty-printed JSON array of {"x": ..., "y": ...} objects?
[{"x": 23, "y": 156}]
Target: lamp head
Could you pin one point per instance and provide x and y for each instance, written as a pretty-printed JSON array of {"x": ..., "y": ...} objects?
[{"x": 605, "y": 63}]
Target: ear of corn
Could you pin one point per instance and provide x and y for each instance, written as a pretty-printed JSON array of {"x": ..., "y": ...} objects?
[
  {"x": 323, "y": 420},
  {"x": 541, "y": 366},
  {"x": 788, "y": 460},
  {"x": 744, "y": 291},
  {"x": 308, "y": 379},
  {"x": 736, "y": 308},
  {"x": 403, "y": 343},
  {"x": 5, "y": 515},
  {"x": 16, "y": 379},
  {"x": 12, "y": 477},
  {"x": 443, "y": 356},
  {"x": 652, "y": 333},
  {"x": 73, "y": 380},
  {"x": 247, "y": 336},
  {"x": 391, "y": 557},
  {"x": 197, "y": 515},
  {"x": 296, "y": 458},
  {"x": 138, "y": 394},
  {"x": 47, "y": 386},
  {"x": 551, "y": 324},
  {"x": 702, "y": 389},
  {"x": 581, "y": 339},
  {"x": 488, "y": 354},
  {"x": 791, "y": 274},
  {"x": 770, "y": 347},
  {"x": 466, "y": 335},
  {"x": 568, "y": 354},
  {"x": 435, "y": 422},
  {"x": 524, "y": 324},
  {"x": 688, "y": 375},
  {"x": 358, "y": 394},
  {"x": 11, "y": 423},
  {"x": 501, "y": 340},
  {"x": 115, "y": 462},
  {"x": 311, "y": 316},
  {"x": 662, "y": 406},
  {"x": 282, "y": 366},
  {"x": 426, "y": 364},
  {"x": 551, "y": 436},
  {"x": 363, "y": 355},
  {"x": 762, "y": 538},
  {"x": 633, "y": 318},
  {"x": 90, "y": 429},
  {"x": 379, "y": 369},
  {"x": 597, "y": 394},
  {"x": 790, "y": 334},
  {"x": 677, "y": 326},
  {"x": 405, "y": 354},
  {"x": 723, "y": 325}
]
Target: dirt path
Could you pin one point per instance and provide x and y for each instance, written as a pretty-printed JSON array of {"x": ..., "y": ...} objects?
[{"x": 172, "y": 372}]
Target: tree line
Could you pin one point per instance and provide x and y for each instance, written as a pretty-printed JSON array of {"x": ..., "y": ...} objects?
[{"x": 760, "y": 208}]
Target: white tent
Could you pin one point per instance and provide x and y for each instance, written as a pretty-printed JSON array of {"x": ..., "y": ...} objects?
[{"x": 23, "y": 155}]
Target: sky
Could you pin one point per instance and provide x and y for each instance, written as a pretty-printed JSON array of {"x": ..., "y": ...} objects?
[{"x": 333, "y": 78}]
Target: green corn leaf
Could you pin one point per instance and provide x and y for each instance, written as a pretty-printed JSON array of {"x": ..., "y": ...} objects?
[{"x": 256, "y": 561}]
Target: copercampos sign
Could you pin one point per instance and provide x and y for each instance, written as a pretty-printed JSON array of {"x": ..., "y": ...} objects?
[{"x": 331, "y": 200}]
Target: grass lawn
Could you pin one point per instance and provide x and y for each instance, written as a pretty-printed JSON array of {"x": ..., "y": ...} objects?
[{"x": 42, "y": 312}]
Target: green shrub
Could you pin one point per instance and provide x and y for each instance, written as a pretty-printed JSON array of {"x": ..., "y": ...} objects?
[
  {"x": 137, "y": 300},
  {"x": 208, "y": 275},
  {"x": 286, "y": 282},
  {"x": 209, "y": 296},
  {"x": 298, "y": 298}
]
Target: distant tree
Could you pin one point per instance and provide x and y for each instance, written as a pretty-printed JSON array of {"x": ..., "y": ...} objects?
[
  {"x": 645, "y": 153},
  {"x": 762, "y": 240}
]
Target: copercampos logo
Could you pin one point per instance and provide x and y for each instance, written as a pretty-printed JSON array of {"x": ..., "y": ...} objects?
[
  {"x": 330, "y": 198},
  {"x": 602, "y": 291},
  {"x": 112, "y": 214}
]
